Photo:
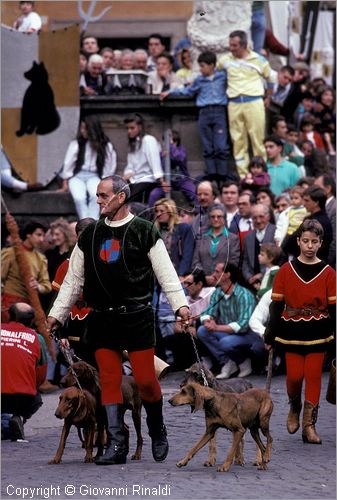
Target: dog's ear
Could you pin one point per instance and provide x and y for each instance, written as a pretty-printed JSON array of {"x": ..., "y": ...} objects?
[{"x": 197, "y": 397}]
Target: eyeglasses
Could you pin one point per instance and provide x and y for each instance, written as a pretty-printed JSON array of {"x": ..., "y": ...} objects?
[{"x": 216, "y": 216}]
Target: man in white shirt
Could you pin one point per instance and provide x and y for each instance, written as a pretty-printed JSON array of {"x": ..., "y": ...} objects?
[
  {"x": 29, "y": 21},
  {"x": 230, "y": 198}
]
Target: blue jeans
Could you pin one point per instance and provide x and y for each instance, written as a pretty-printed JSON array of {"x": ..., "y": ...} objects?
[
  {"x": 258, "y": 29},
  {"x": 235, "y": 347},
  {"x": 213, "y": 129}
]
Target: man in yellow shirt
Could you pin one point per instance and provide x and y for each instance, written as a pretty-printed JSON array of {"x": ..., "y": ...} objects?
[{"x": 246, "y": 73}]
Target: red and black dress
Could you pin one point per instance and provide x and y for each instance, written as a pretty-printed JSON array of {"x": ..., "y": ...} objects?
[{"x": 302, "y": 312}]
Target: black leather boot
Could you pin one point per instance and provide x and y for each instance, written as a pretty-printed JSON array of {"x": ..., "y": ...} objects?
[
  {"x": 157, "y": 429},
  {"x": 117, "y": 449}
]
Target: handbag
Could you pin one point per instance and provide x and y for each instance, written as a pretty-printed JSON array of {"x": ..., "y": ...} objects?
[{"x": 331, "y": 390}]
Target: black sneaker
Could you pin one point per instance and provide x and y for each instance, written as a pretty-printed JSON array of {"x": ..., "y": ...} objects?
[{"x": 16, "y": 428}]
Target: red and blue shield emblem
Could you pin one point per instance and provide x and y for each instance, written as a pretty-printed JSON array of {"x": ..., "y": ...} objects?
[{"x": 110, "y": 250}]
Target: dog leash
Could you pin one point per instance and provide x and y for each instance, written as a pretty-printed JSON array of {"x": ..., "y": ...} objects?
[
  {"x": 270, "y": 369},
  {"x": 188, "y": 330},
  {"x": 68, "y": 357}
]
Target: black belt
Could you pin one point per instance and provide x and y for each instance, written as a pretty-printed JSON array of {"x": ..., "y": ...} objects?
[
  {"x": 210, "y": 106},
  {"x": 122, "y": 309}
]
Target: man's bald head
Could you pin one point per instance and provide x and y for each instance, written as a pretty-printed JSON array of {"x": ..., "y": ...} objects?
[
  {"x": 205, "y": 194},
  {"x": 21, "y": 313}
]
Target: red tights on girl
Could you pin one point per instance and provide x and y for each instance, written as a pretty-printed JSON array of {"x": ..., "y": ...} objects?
[
  {"x": 308, "y": 367},
  {"x": 110, "y": 372}
]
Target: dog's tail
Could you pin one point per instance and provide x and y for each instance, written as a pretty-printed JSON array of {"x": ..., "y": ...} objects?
[{"x": 270, "y": 369}]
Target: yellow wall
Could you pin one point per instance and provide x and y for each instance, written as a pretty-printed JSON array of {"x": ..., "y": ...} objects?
[{"x": 61, "y": 11}]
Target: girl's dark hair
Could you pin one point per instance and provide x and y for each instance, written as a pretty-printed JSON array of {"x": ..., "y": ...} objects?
[
  {"x": 269, "y": 192},
  {"x": 176, "y": 137},
  {"x": 259, "y": 162},
  {"x": 97, "y": 140},
  {"x": 135, "y": 142},
  {"x": 311, "y": 225}
]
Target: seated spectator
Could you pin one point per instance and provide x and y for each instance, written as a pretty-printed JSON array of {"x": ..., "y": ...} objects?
[
  {"x": 281, "y": 91},
  {"x": 291, "y": 218},
  {"x": 185, "y": 72},
  {"x": 315, "y": 161},
  {"x": 216, "y": 245},
  {"x": 89, "y": 158},
  {"x": 295, "y": 154},
  {"x": 309, "y": 134},
  {"x": 305, "y": 106},
  {"x": 178, "y": 237},
  {"x": 263, "y": 233},
  {"x": 13, "y": 287},
  {"x": 242, "y": 223},
  {"x": 283, "y": 173},
  {"x": 229, "y": 198},
  {"x": 11, "y": 182},
  {"x": 179, "y": 176},
  {"x": 143, "y": 170},
  {"x": 156, "y": 46},
  {"x": 257, "y": 175},
  {"x": 280, "y": 130},
  {"x": 269, "y": 257},
  {"x": 108, "y": 57},
  {"x": 140, "y": 59},
  {"x": 90, "y": 45},
  {"x": 224, "y": 328},
  {"x": 23, "y": 368},
  {"x": 93, "y": 81},
  {"x": 163, "y": 78},
  {"x": 29, "y": 21},
  {"x": 127, "y": 60}
]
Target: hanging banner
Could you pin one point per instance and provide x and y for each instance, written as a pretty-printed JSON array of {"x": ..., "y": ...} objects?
[{"x": 40, "y": 99}]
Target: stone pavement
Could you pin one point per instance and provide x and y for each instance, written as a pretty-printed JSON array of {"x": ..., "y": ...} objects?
[{"x": 296, "y": 470}]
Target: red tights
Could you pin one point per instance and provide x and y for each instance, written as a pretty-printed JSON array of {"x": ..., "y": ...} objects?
[
  {"x": 308, "y": 367},
  {"x": 110, "y": 371}
]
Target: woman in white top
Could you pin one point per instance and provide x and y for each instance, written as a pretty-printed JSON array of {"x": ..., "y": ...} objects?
[
  {"x": 89, "y": 158},
  {"x": 143, "y": 170}
]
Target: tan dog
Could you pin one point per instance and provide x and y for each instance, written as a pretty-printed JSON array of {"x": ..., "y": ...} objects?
[
  {"x": 236, "y": 412},
  {"x": 89, "y": 379},
  {"x": 77, "y": 408}
]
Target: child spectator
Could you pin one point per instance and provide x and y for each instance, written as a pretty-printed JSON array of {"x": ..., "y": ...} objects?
[
  {"x": 269, "y": 257},
  {"x": 179, "y": 178},
  {"x": 210, "y": 91},
  {"x": 296, "y": 154},
  {"x": 309, "y": 134},
  {"x": 291, "y": 218},
  {"x": 257, "y": 175},
  {"x": 29, "y": 21}
]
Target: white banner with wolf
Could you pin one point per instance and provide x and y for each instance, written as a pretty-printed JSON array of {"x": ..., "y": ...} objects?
[{"x": 39, "y": 99}]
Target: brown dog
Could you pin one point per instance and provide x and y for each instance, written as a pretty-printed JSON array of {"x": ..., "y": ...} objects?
[
  {"x": 89, "y": 379},
  {"x": 236, "y": 412},
  {"x": 77, "y": 408},
  {"x": 194, "y": 375}
]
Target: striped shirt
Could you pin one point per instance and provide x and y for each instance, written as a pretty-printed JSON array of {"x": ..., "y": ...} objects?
[{"x": 233, "y": 310}]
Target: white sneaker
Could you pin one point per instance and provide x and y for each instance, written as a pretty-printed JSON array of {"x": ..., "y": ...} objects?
[
  {"x": 245, "y": 368},
  {"x": 206, "y": 361},
  {"x": 228, "y": 369}
]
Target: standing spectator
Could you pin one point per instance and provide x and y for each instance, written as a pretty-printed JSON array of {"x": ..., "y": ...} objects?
[
  {"x": 90, "y": 45},
  {"x": 23, "y": 368},
  {"x": 224, "y": 328},
  {"x": 230, "y": 198},
  {"x": 179, "y": 176},
  {"x": 302, "y": 323},
  {"x": 93, "y": 81},
  {"x": 217, "y": 244},
  {"x": 280, "y": 130},
  {"x": 211, "y": 99},
  {"x": 283, "y": 173},
  {"x": 280, "y": 92},
  {"x": 315, "y": 162},
  {"x": 140, "y": 59},
  {"x": 295, "y": 154},
  {"x": 127, "y": 60},
  {"x": 258, "y": 26},
  {"x": 143, "y": 170},
  {"x": 83, "y": 62},
  {"x": 108, "y": 57},
  {"x": 178, "y": 237},
  {"x": 89, "y": 157},
  {"x": 29, "y": 21},
  {"x": 257, "y": 176},
  {"x": 206, "y": 196},
  {"x": 263, "y": 233},
  {"x": 328, "y": 184},
  {"x": 125, "y": 250},
  {"x": 242, "y": 223},
  {"x": 13, "y": 287},
  {"x": 325, "y": 115},
  {"x": 266, "y": 197},
  {"x": 185, "y": 71},
  {"x": 156, "y": 46},
  {"x": 246, "y": 71},
  {"x": 163, "y": 77},
  {"x": 282, "y": 202}
]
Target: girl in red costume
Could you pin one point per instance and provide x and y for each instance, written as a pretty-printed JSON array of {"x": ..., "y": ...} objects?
[{"x": 302, "y": 322}]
